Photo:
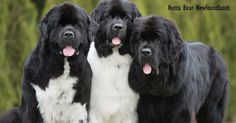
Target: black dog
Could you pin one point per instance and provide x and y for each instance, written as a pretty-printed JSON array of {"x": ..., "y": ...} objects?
[
  {"x": 115, "y": 18},
  {"x": 57, "y": 76},
  {"x": 175, "y": 79},
  {"x": 112, "y": 100}
]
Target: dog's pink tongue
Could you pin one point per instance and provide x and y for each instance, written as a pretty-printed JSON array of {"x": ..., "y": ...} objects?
[
  {"x": 68, "y": 51},
  {"x": 116, "y": 41},
  {"x": 147, "y": 69}
]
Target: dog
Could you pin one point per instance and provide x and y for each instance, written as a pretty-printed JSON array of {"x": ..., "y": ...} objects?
[
  {"x": 175, "y": 79},
  {"x": 57, "y": 75},
  {"x": 112, "y": 100}
]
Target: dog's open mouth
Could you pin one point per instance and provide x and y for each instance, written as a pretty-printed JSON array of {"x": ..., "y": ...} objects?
[
  {"x": 69, "y": 51},
  {"x": 116, "y": 41},
  {"x": 147, "y": 69}
]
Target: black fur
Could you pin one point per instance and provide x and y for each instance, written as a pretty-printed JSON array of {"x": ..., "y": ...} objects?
[
  {"x": 186, "y": 78},
  {"x": 46, "y": 62},
  {"x": 106, "y": 14},
  {"x": 12, "y": 116}
]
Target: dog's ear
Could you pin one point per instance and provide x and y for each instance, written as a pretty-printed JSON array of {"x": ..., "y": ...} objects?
[
  {"x": 91, "y": 30},
  {"x": 135, "y": 12},
  {"x": 42, "y": 43},
  {"x": 175, "y": 44},
  {"x": 43, "y": 28},
  {"x": 132, "y": 43},
  {"x": 175, "y": 41},
  {"x": 92, "y": 27},
  {"x": 98, "y": 11},
  {"x": 133, "y": 39},
  {"x": 44, "y": 25}
]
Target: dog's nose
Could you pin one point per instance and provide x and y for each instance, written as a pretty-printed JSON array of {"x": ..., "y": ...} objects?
[
  {"x": 118, "y": 26},
  {"x": 146, "y": 51},
  {"x": 68, "y": 34}
]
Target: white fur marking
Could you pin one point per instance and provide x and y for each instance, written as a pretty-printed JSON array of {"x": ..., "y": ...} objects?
[
  {"x": 55, "y": 102},
  {"x": 112, "y": 100}
]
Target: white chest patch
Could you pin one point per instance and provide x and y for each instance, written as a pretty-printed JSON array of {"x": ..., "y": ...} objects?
[
  {"x": 55, "y": 102},
  {"x": 112, "y": 100}
]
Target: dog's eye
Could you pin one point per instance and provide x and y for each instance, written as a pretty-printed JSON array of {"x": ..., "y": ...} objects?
[
  {"x": 78, "y": 25},
  {"x": 157, "y": 40},
  {"x": 141, "y": 41},
  {"x": 108, "y": 16},
  {"x": 127, "y": 18},
  {"x": 103, "y": 18},
  {"x": 59, "y": 25}
]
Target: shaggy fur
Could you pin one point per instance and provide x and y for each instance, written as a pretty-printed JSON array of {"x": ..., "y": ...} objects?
[
  {"x": 112, "y": 100},
  {"x": 186, "y": 78},
  {"x": 56, "y": 88},
  {"x": 108, "y": 13}
]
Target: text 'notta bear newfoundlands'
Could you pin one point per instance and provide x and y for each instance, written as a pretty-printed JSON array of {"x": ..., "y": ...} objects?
[
  {"x": 112, "y": 100},
  {"x": 57, "y": 75},
  {"x": 175, "y": 79}
]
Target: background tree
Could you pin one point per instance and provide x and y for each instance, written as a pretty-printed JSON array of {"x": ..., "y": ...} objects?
[
  {"x": 19, "y": 33},
  {"x": 17, "y": 37}
]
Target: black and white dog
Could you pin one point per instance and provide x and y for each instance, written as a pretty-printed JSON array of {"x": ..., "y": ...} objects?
[
  {"x": 112, "y": 100},
  {"x": 57, "y": 75},
  {"x": 175, "y": 79}
]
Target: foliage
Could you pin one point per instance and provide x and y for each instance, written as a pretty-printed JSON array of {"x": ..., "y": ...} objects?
[{"x": 17, "y": 37}]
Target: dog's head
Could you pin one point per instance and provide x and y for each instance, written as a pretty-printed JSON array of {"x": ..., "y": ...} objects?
[
  {"x": 66, "y": 30},
  {"x": 115, "y": 18},
  {"x": 156, "y": 45}
]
